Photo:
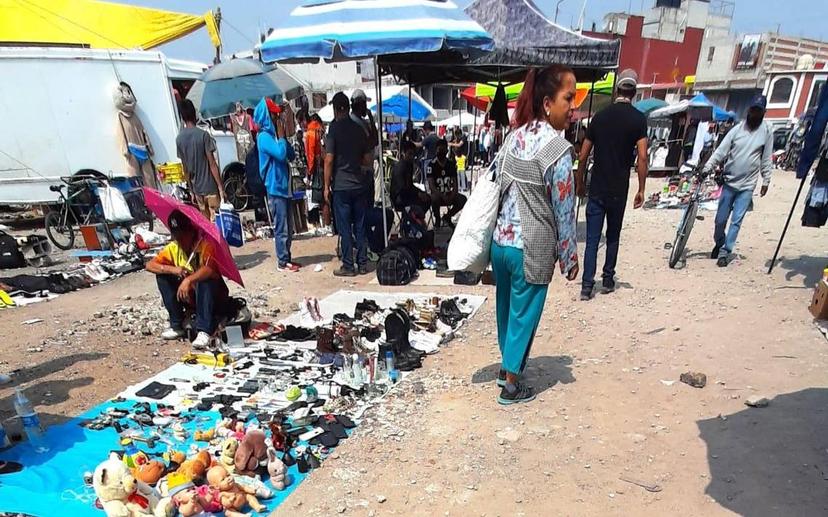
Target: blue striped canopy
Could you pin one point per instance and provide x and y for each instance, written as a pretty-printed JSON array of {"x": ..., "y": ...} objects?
[{"x": 355, "y": 29}]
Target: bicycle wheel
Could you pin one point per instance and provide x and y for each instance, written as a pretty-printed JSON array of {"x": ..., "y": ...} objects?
[
  {"x": 683, "y": 234},
  {"x": 59, "y": 230},
  {"x": 236, "y": 192}
]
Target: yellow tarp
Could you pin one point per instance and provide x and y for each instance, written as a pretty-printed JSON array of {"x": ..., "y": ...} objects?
[{"x": 96, "y": 24}]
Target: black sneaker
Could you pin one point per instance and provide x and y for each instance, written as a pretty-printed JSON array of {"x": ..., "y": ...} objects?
[
  {"x": 343, "y": 271},
  {"x": 715, "y": 253},
  {"x": 608, "y": 288},
  {"x": 515, "y": 394},
  {"x": 362, "y": 270},
  {"x": 501, "y": 378},
  {"x": 722, "y": 262},
  {"x": 586, "y": 295}
]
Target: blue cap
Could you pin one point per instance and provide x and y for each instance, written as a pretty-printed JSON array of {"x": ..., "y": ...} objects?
[{"x": 759, "y": 101}]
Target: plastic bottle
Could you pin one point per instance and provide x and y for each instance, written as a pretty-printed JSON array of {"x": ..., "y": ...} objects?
[
  {"x": 31, "y": 422},
  {"x": 4, "y": 438},
  {"x": 381, "y": 371},
  {"x": 825, "y": 275},
  {"x": 393, "y": 374}
]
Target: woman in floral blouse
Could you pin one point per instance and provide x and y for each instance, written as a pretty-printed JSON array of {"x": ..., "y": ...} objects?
[{"x": 536, "y": 223}]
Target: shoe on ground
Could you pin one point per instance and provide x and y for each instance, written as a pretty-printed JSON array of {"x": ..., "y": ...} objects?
[
  {"x": 5, "y": 379},
  {"x": 290, "y": 267},
  {"x": 515, "y": 394},
  {"x": 501, "y": 378},
  {"x": 343, "y": 271},
  {"x": 586, "y": 295},
  {"x": 715, "y": 253},
  {"x": 722, "y": 262},
  {"x": 171, "y": 334},
  {"x": 362, "y": 270},
  {"x": 202, "y": 341},
  {"x": 608, "y": 289}
]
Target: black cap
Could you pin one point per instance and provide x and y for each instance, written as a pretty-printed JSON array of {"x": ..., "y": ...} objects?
[
  {"x": 340, "y": 102},
  {"x": 178, "y": 223}
]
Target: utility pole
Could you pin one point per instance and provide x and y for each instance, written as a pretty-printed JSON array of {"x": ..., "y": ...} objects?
[{"x": 217, "y": 59}]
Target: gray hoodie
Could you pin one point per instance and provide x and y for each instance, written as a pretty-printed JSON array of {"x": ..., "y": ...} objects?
[{"x": 745, "y": 154}]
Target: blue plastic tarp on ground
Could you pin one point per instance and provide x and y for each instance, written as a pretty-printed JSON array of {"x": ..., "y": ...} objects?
[{"x": 51, "y": 483}]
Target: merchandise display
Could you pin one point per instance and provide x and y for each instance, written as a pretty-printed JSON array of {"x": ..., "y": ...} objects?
[{"x": 235, "y": 430}]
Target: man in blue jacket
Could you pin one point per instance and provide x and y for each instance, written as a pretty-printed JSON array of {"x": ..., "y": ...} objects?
[{"x": 274, "y": 154}]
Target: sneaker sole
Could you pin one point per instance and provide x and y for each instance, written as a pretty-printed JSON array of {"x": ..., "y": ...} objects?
[
  {"x": 507, "y": 402},
  {"x": 501, "y": 383}
]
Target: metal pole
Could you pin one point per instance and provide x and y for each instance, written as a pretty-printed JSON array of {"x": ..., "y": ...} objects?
[
  {"x": 785, "y": 230},
  {"x": 378, "y": 83}
]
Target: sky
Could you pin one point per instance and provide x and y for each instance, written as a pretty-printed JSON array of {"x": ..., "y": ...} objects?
[{"x": 243, "y": 19}]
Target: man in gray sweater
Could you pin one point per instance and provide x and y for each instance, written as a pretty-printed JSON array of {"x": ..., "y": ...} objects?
[{"x": 746, "y": 154}]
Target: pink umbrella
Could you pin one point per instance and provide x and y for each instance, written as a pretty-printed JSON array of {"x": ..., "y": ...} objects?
[{"x": 162, "y": 205}]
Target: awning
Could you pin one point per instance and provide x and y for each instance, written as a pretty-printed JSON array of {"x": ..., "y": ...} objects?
[{"x": 94, "y": 24}]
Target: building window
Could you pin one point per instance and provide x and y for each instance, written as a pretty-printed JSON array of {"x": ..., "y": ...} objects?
[
  {"x": 781, "y": 90},
  {"x": 816, "y": 90},
  {"x": 710, "y": 52}
]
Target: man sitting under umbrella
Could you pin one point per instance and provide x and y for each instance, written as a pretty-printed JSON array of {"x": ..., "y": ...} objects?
[{"x": 189, "y": 281}]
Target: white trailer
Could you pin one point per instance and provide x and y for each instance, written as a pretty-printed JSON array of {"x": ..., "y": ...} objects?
[{"x": 57, "y": 114}]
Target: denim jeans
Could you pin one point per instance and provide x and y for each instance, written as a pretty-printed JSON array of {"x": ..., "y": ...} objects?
[
  {"x": 282, "y": 227},
  {"x": 210, "y": 297},
  {"x": 597, "y": 210},
  {"x": 373, "y": 227},
  {"x": 350, "y": 208},
  {"x": 735, "y": 202}
]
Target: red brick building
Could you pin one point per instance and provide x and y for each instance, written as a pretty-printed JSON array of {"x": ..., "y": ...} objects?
[{"x": 660, "y": 63}]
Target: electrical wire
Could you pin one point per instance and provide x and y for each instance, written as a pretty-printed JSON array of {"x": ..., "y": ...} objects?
[{"x": 34, "y": 6}]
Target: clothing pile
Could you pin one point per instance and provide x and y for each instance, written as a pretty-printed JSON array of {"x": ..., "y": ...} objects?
[{"x": 25, "y": 289}]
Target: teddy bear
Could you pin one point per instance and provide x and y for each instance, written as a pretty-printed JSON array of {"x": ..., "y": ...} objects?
[
  {"x": 196, "y": 467},
  {"x": 251, "y": 453},
  {"x": 121, "y": 495},
  {"x": 150, "y": 472},
  {"x": 234, "y": 497},
  {"x": 228, "y": 454},
  {"x": 277, "y": 470}
]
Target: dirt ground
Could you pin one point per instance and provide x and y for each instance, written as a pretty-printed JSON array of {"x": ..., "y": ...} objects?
[{"x": 610, "y": 416}]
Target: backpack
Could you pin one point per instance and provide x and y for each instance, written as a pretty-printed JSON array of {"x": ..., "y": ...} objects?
[
  {"x": 397, "y": 266},
  {"x": 10, "y": 255}
]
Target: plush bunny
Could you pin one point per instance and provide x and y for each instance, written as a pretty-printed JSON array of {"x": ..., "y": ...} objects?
[
  {"x": 277, "y": 470},
  {"x": 121, "y": 495}
]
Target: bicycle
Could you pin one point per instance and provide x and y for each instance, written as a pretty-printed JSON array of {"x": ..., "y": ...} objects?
[
  {"x": 688, "y": 219},
  {"x": 81, "y": 208}
]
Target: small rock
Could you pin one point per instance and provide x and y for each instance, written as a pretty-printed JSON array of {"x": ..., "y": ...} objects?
[
  {"x": 381, "y": 498},
  {"x": 341, "y": 508},
  {"x": 509, "y": 435},
  {"x": 127, "y": 297},
  {"x": 757, "y": 401},
  {"x": 98, "y": 315},
  {"x": 695, "y": 379}
]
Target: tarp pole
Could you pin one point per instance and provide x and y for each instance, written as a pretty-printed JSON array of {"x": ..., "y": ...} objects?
[
  {"x": 378, "y": 83},
  {"x": 476, "y": 147},
  {"x": 788, "y": 222}
]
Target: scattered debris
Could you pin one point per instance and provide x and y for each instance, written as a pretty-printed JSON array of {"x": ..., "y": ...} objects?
[
  {"x": 757, "y": 401},
  {"x": 31, "y": 321},
  {"x": 695, "y": 379},
  {"x": 649, "y": 487},
  {"x": 667, "y": 383},
  {"x": 655, "y": 331}
]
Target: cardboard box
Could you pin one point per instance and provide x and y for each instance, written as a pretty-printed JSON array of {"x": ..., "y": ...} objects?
[{"x": 819, "y": 303}]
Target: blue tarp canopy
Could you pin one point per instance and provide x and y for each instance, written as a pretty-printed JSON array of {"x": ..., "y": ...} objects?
[
  {"x": 394, "y": 106},
  {"x": 719, "y": 114},
  {"x": 355, "y": 29}
]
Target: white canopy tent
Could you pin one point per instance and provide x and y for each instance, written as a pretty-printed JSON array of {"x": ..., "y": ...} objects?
[{"x": 461, "y": 120}]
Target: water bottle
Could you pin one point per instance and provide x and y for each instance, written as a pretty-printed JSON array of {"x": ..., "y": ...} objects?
[
  {"x": 381, "y": 371},
  {"x": 31, "y": 422},
  {"x": 4, "y": 438},
  {"x": 393, "y": 374}
]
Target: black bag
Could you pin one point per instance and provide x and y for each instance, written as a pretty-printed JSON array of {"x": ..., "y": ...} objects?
[
  {"x": 397, "y": 266},
  {"x": 10, "y": 255}
]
